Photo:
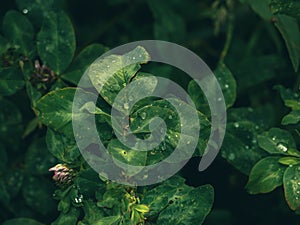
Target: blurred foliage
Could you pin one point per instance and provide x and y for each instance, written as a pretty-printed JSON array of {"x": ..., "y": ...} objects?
[{"x": 253, "y": 47}]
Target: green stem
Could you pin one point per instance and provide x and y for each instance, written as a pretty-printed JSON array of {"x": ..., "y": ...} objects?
[
  {"x": 229, "y": 35},
  {"x": 297, "y": 83}
]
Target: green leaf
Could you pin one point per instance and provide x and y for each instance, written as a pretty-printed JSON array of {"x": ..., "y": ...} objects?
[
  {"x": 10, "y": 124},
  {"x": 246, "y": 74},
  {"x": 227, "y": 83},
  {"x": 265, "y": 176},
  {"x": 11, "y": 80},
  {"x": 188, "y": 210},
  {"x": 19, "y": 31},
  {"x": 291, "y": 99},
  {"x": 86, "y": 57},
  {"x": 276, "y": 141},
  {"x": 261, "y": 7},
  {"x": 69, "y": 218},
  {"x": 292, "y": 118},
  {"x": 291, "y": 183},
  {"x": 40, "y": 198},
  {"x": 112, "y": 73},
  {"x": 21, "y": 221},
  {"x": 289, "y": 161},
  {"x": 55, "y": 108},
  {"x": 168, "y": 25},
  {"x": 3, "y": 45},
  {"x": 288, "y": 7},
  {"x": 37, "y": 11},
  {"x": 160, "y": 196},
  {"x": 62, "y": 145},
  {"x": 126, "y": 157},
  {"x": 289, "y": 29},
  {"x": 110, "y": 220},
  {"x": 38, "y": 159},
  {"x": 240, "y": 145},
  {"x": 56, "y": 41}
]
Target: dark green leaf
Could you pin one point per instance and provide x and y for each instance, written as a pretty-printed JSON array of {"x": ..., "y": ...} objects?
[
  {"x": 69, "y": 218},
  {"x": 10, "y": 124},
  {"x": 62, "y": 145},
  {"x": 289, "y": 29},
  {"x": 227, "y": 83},
  {"x": 292, "y": 118},
  {"x": 188, "y": 208},
  {"x": 11, "y": 80},
  {"x": 40, "y": 199},
  {"x": 21, "y": 221},
  {"x": 82, "y": 61},
  {"x": 265, "y": 176},
  {"x": 288, "y": 7},
  {"x": 55, "y": 108},
  {"x": 168, "y": 25},
  {"x": 291, "y": 183},
  {"x": 240, "y": 145},
  {"x": 276, "y": 141},
  {"x": 261, "y": 7},
  {"x": 19, "y": 31},
  {"x": 36, "y": 10},
  {"x": 38, "y": 159},
  {"x": 291, "y": 99},
  {"x": 3, "y": 45},
  {"x": 56, "y": 41}
]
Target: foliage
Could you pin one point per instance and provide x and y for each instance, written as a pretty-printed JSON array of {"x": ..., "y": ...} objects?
[{"x": 45, "y": 48}]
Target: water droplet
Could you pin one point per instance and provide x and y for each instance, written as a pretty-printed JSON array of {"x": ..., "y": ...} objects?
[
  {"x": 298, "y": 183},
  {"x": 114, "y": 61},
  {"x": 107, "y": 66},
  {"x": 140, "y": 56},
  {"x": 274, "y": 138},
  {"x": 170, "y": 117},
  {"x": 25, "y": 11},
  {"x": 247, "y": 147},
  {"x": 188, "y": 142},
  {"x": 236, "y": 125},
  {"x": 143, "y": 115},
  {"x": 231, "y": 156},
  {"x": 78, "y": 199},
  {"x": 133, "y": 58},
  {"x": 126, "y": 106},
  {"x": 219, "y": 99},
  {"x": 282, "y": 147},
  {"x": 256, "y": 127},
  {"x": 226, "y": 86}
]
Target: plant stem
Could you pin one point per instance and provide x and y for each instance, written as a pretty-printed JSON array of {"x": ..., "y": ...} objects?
[{"x": 229, "y": 35}]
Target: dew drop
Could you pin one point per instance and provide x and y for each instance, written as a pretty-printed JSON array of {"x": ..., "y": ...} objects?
[
  {"x": 25, "y": 11},
  {"x": 236, "y": 125},
  {"x": 247, "y": 147},
  {"x": 170, "y": 117},
  {"x": 114, "y": 61},
  {"x": 282, "y": 147},
  {"x": 133, "y": 58},
  {"x": 226, "y": 86},
  {"x": 219, "y": 99}
]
